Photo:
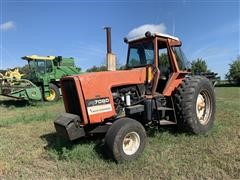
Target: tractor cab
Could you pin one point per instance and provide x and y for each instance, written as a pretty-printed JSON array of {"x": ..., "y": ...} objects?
[
  {"x": 46, "y": 67},
  {"x": 162, "y": 54},
  {"x": 40, "y": 64},
  {"x": 46, "y": 72}
]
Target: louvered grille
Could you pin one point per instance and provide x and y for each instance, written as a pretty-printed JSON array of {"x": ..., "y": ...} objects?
[{"x": 71, "y": 97}]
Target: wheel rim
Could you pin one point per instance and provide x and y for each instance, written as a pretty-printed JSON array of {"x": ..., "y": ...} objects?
[
  {"x": 203, "y": 107},
  {"x": 52, "y": 95},
  {"x": 131, "y": 143}
]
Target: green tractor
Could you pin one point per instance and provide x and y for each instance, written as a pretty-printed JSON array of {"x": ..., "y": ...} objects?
[{"x": 43, "y": 80}]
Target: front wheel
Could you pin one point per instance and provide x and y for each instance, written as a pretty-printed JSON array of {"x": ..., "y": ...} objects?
[
  {"x": 125, "y": 140},
  {"x": 54, "y": 93}
]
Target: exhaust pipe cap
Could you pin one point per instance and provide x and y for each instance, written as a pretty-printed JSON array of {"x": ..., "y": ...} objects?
[{"x": 148, "y": 34}]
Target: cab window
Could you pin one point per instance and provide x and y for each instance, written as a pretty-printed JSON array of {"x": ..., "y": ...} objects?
[
  {"x": 181, "y": 58},
  {"x": 41, "y": 66},
  {"x": 163, "y": 60},
  {"x": 140, "y": 54},
  {"x": 49, "y": 66}
]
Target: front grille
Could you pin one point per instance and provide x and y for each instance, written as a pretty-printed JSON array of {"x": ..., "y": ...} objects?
[{"x": 71, "y": 96}]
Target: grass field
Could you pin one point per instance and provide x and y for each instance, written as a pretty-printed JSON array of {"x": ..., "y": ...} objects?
[{"x": 30, "y": 149}]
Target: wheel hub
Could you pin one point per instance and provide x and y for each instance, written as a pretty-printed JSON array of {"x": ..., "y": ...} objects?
[
  {"x": 200, "y": 106},
  {"x": 131, "y": 143},
  {"x": 203, "y": 108},
  {"x": 51, "y": 96}
]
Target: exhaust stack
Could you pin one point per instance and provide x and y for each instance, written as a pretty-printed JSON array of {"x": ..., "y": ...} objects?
[{"x": 111, "y": 58}]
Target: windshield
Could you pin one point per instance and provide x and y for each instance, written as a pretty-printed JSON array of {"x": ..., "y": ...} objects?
[
  {"x": 31, "y": 65},
  {"x": 182, "y": 61},
  {"x": 140, "y": 54},
  {"x": 38, "y": 66}
]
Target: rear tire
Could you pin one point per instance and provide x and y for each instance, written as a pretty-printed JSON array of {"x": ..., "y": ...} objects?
[
  {"x": 54, "y": 93},
  {"x": 125, "y": 140},
  {"x": 195, "y": 105}
]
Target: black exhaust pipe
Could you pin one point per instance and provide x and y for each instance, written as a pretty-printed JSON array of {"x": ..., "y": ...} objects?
[
  {"x": 111, "y": 58},
  {"x": 109, "y": 45}
]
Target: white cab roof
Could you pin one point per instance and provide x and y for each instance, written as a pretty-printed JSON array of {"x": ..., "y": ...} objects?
[{"x": 154, "y": 34}]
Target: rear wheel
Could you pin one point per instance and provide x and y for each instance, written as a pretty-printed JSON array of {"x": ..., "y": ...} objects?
[
  {"x": 54, "y": 93},
  {"x": 125, "y": 140},
  {"x": 195, "y": 105}
]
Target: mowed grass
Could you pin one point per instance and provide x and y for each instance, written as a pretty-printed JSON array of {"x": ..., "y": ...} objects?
[{"x": 30, "y": 149}]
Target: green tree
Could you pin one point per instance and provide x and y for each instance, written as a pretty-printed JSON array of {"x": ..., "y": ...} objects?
[
  {"x": 133, "y": 62},
  {"x": 97, "y": 69},
  {"x": 163, "y": 60},
  {"x": 199, "y": 65},
  {"x": 121, "y": 67},
  {"x": 25, "y": 69},
  {"x": 234, "y": 71},
  {"x": 2, "y": 71}
]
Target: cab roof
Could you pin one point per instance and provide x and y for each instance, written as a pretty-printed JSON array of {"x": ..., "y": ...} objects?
[
  {"x": 154, "y": 35},
  {"x": 36, "y": 57}
]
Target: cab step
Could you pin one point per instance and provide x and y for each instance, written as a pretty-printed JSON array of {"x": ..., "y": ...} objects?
[
  {"x": 164, "y": 109},
  {"x": 165, "y": 122}
]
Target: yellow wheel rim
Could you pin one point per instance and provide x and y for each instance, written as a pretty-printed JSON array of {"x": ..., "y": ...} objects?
[{"x": 51, "y": 96}]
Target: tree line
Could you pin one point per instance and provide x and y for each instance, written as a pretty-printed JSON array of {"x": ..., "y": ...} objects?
[
  {"x": 233, "y": 75},
  {"x": 197, "y": 66}
]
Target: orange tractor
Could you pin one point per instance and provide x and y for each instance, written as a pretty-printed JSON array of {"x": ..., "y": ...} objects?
[{"x": 155, "y": 89}]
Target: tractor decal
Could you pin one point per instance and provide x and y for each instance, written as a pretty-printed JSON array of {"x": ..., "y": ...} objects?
[{"x": 99, "y": 105}]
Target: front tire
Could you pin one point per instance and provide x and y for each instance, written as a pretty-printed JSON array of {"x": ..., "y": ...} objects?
[
  {"x": 195, "y": 105},
  {"x": 54, "y": 93},
  {"x": 125, "y": 140}
]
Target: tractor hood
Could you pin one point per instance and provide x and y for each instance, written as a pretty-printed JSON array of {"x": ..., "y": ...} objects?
[
  {"x": 94, "y": 91},
  {"x": 99, "y": 84}
]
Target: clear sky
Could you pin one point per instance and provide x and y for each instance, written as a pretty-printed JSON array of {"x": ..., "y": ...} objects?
[{"x": 207, "y": 29}]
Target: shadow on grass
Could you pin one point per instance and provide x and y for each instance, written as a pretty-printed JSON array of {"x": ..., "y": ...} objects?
[
  {"x": 170, "y": 129},
  {"x": 153, "y": 131},
  {"x": 10, "y": 103},
  {"x": 14, "y": 103},
  {"x": 60, "y": 145},
  {"x": 63, "y": 149}
]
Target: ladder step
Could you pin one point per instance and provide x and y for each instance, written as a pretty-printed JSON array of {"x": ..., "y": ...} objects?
[
  {"x": 164, "y": 109},
  {"x": 165, "y": 122}
]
